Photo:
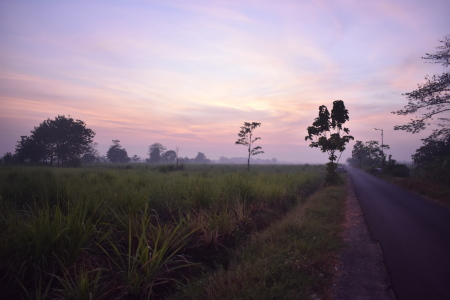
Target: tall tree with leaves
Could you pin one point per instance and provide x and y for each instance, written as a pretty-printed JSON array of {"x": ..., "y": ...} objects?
[
  {"x": 431, "y": 98},
  {"x": 246, "y": 138},
  {"x": 62, "y": 140},
  {"x": 328, "y": 134}
]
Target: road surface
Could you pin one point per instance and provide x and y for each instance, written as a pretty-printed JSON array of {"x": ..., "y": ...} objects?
[{"x": 414, "y": 235}]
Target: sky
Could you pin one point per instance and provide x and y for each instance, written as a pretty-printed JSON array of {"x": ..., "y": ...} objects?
[{"x": 188, "y": 74}]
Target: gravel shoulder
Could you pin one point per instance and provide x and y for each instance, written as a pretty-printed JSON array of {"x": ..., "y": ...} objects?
[{"x": 361, "y": 273}]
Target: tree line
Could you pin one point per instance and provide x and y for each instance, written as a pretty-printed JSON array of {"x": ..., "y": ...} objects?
[{"x": 68, "y": 142}]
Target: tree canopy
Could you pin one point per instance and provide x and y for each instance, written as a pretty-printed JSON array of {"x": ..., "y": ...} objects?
[
  {"x": 201, "y": 158},
  {"x": 169, "y": 157},
  {"x": 155, "y": 152},
  {"x": 91, "y": 154},
  {"x": 62, "y": 140},
  {"x": 246, "y": 139},
  {"x": 432, "y": 160},
  {"x": 328, "y": 134},
  {"x": 368, "y": 154},
  {"x": 116, "y": 153},
  {"x": 430, "y": 98},
  {"x": 320, "y": 133}
]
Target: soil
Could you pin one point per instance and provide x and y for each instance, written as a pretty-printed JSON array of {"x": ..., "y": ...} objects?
[{"x": 361, "y": 273}]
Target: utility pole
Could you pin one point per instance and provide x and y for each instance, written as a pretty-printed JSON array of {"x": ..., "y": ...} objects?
[{"x": 382, "y": 147}]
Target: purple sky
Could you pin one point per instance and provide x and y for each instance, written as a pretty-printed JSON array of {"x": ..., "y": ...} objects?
[{"x": 189, "y": 73}]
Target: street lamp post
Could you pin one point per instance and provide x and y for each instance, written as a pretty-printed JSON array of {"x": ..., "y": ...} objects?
[{"x": 382, "y": 146}]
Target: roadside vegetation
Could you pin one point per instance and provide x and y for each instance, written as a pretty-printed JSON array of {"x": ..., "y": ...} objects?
[
  {"x": 427, "y": 176},
  {"x": 146, "y": 231},
  {"x": 436, "y": 192}
]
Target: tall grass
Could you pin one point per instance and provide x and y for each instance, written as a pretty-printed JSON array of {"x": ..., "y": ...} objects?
[
  {"x": 293, "y": 259},
  {"x": 121, "y": 231},
  {"x": 149, "y": 255}
]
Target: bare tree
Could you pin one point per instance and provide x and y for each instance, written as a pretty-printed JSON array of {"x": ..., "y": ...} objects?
[{"x": 246, "y": 139}]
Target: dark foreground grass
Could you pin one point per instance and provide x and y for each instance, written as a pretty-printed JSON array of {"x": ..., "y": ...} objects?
[
  {"x": 133, "y": 231},
  {"x": 293, "y": 259}
]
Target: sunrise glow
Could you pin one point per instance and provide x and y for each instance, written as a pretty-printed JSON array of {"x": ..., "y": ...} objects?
[{"x": 189, "y": 73}]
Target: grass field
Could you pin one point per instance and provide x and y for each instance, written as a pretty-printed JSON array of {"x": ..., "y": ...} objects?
[{"x": 140, "y": 231}]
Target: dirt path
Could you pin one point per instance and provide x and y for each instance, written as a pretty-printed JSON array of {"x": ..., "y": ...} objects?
[{"x": 361, "y": 271}]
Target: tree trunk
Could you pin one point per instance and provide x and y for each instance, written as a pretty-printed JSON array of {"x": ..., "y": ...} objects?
[{"x": 248, "y": 160}]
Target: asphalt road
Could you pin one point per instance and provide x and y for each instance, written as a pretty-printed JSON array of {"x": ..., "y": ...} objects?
[{"x": 414, "y": 235}]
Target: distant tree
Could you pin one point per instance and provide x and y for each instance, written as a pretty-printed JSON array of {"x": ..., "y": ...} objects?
[
  {"x": 169, "y": 157},
  {"x": 91, "y": 155},
  {"x": 359, "y": 155},
  {"x": 103, "y": 159},
  {"x": 246, "y": 139},
  {"x": 224, "y": 160},
  {"x": 155, "y": 151},
  {"x": 201, "y": 158},
  {"x": 368, "y": 154},
  {"x": 185, "y": 160},
  {"x": 135, "y": 158},
  {"x": 431, "y": 97},
  {"x": 62, "y": 140},
  {"x": 8, "y": 158},
  {"x": 327, "y": 133},
  {"x": 116, "y": 153}
]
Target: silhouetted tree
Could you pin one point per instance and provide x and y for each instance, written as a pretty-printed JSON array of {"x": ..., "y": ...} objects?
[
  {"x": 8, "y": 158},
  {"x": 368, "y": 154},
  {"x": 432, "y": 160},
  {"x": 321, "y": 135},
  {"x": 62, "y": 139},
  {"x": 201, "y": 158},
  {"x": 224, "y": 160},
  {"x": 169, "y": 157},
  {"x": 135, "y": 158},
  {"x": 91, "y": 155},
  {"x": 29, "y": 149},
  {"x": 431, "y": 97},
  {"x": 116, "y": 153},
  {"x": 155, "y": 151},
  {"x": 246, "y": 139}
]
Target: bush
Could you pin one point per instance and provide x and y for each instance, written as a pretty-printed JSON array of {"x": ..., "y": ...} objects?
[
  {"x": 170, "y": 168},
  {"x": 399, "y": 170}
]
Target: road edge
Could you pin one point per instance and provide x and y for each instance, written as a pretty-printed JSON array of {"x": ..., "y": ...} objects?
[{"x": 361, "y": 272}]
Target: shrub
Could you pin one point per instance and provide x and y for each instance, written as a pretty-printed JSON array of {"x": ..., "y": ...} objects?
[{"x": 400, "y": 170}]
